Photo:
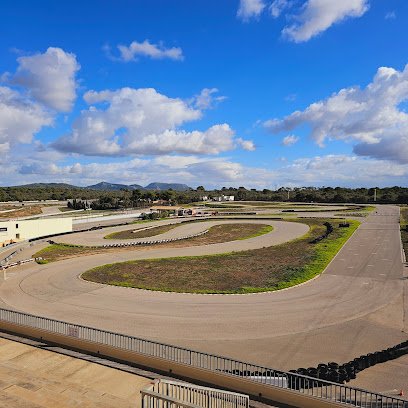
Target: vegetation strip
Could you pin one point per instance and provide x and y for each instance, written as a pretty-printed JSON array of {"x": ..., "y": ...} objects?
[{"x": 260, "y": 270}]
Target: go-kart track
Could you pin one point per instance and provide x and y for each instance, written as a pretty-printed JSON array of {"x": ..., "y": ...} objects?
[{"x": 358, "y": 305}]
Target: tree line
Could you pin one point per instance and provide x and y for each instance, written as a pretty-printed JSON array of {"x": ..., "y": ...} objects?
[{"x": 140, "y": 198}]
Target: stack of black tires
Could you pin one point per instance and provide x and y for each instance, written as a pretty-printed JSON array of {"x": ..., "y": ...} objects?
[
  {"x": 329, "y": 230},
  {"x": 341, "y": 374}
]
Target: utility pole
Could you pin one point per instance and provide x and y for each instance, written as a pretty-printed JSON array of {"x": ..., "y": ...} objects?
[
  {"x": 288, "y": 195},
  {"x": 375, "y": 195}
]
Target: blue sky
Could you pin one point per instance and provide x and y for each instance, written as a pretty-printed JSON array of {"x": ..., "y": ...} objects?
[{"x": 260, "y": 93}]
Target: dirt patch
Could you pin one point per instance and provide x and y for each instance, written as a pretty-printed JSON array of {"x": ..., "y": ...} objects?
[{"x": 22, "y": 212}]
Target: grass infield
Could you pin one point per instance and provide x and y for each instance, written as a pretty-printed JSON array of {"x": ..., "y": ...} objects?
[{"x": 260, "y": 270}]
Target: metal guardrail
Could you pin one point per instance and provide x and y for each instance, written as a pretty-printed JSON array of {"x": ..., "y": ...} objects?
[
  {"x": 296, "y": 383},
  {"x": 166, "y": 394}
]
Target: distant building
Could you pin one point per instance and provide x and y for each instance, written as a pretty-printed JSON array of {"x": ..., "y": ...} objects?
[{"x": 224, "y": 198}]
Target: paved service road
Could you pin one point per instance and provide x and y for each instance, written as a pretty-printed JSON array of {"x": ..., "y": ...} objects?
[{"x": 356, "y": 306}]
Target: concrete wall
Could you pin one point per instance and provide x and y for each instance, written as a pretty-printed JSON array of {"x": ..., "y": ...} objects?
[{"x": 20, "y": 230}]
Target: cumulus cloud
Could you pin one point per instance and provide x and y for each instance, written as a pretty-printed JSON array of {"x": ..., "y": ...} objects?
[
  {"x": 248, "y": 145},
  {"x": 207, "y": 99},
  {"x": 317, "y": 16},
  {"x": 290, "y": 140},
  {"x": 141, "y": 121},
  {"x": 250, "y": 9},
  {"x": 49, "y": 78},
  {"x": 20, "y": 118},
  {"x": 137, "y": 49},
  {"x": 371, "y": 116}
]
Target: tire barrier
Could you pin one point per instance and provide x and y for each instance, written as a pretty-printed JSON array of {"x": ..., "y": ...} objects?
[
  {"x": 343, "y": 373},
  {"x": 329, "y": 230},
  {"x": 155, "y": 242},
  {"x": 24, "y": 261}
]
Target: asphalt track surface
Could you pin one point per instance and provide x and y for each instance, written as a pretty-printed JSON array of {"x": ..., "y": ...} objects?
[{"x": 357, "y": 306}]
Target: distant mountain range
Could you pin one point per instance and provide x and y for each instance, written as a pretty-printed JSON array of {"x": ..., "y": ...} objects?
[{"x": 104, "y": 186}]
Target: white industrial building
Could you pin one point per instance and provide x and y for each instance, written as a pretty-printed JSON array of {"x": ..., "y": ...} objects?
[
  {"x": 20, "y": 230},
  {"x": 224, "y": 198}
]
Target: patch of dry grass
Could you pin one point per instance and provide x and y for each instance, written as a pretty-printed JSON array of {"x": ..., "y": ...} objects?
[{"x": 22, "y": 212}]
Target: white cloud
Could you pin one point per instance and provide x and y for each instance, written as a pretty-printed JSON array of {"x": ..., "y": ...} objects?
[
  {"x": 20, "y": 118},
  {"x": 216, "y": 139},
  {"x": 4, "y": 148},
  {"x": 371, "y": 116},
  {"x": 343, "y": 170},
  {"x": 141, "y": 121},
  {"x": 250, "y": 9},
  {"x": 145, "y": 49},
  {"x": 49, "y": 77},
  {"x": 290, "y": 140},
  {"x": 206, "y": 99},
  {"x": 248, "y": 145},
  {"x": 317, "y": 16},
  {"x": 277, "y": 7}
]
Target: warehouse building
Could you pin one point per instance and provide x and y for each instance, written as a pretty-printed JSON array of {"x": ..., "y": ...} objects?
[{"x": 20, "y": 230}]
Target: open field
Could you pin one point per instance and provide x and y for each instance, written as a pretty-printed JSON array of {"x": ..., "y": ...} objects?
[
  {"x": 22, "y": 212},
  {"x": 259, "y": 270},
  {"x": 216, "y": 234}
]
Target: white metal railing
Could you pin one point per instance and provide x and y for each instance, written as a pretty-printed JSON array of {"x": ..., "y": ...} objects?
[
  {"x": 168, "y": 394},
  {"x": 293, "y": 382}
]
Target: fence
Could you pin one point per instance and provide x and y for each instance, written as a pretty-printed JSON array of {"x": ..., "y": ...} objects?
[
  {"x": 166, "y": 394},
  {"x": 202, "y": 365}
]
